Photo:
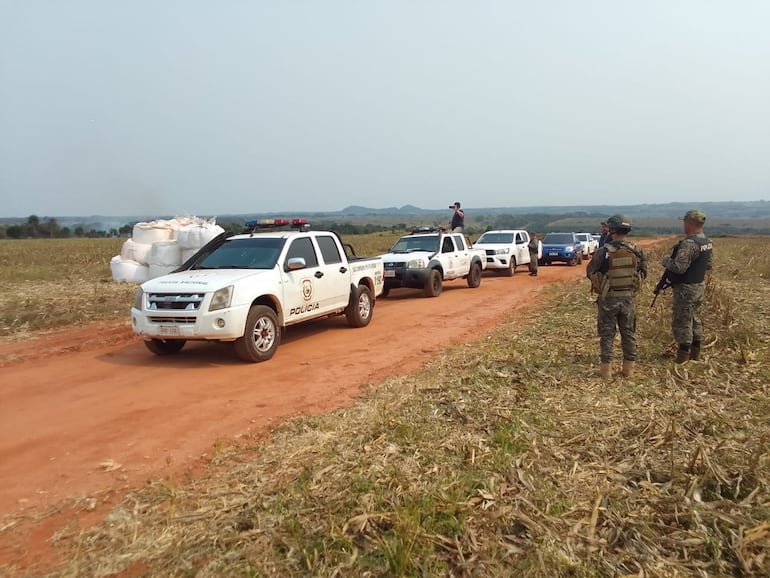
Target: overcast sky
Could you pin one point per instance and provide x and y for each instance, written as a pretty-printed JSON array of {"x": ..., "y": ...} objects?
[{"x": 192, "y": 107}]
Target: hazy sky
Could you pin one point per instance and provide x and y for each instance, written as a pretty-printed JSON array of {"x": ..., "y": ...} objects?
[{"x": 207, "y": 108}]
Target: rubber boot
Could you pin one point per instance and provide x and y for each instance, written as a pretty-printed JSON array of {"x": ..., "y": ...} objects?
[
  {"x": 605, "y": 370},
  {"x": 682, "y": 354},
  {"x": 628, "y": 368},
  {"x": 695, "y": 351}
]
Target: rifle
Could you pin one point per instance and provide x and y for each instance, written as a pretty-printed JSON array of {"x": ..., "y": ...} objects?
[
  {"x": 664, "y": 282},
  {"x": 662, "y": 285}
]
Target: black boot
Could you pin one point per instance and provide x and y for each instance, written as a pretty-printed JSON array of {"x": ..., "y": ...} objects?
[
  {"x": 695, "y": 351},
  {"x": 683, "y": 353}
]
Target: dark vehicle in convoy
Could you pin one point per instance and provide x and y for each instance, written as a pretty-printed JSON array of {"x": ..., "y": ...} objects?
[{"x": 562, "y": 247}]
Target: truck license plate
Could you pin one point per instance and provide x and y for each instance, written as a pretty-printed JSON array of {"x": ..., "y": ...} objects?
[
  {"x": 169, "y": 331},
  {"x": 553, "y": 254},
  {"x": 390, "y": 273}
]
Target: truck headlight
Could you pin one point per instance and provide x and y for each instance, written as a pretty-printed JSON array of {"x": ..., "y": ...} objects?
[
  {"x": 221, "y": 298},
  {"x": 416, "y": 264},
  {"x": 570, "y": 249},
  {"x": 502, "y": 251},
  {"x": 139, "y": 299}
]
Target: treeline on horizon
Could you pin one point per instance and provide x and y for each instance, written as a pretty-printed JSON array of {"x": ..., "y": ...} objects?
[{"x": 36, "y": 228}]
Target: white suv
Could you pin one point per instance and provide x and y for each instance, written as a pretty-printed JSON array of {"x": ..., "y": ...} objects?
[
  {"x": 588, "y": 243},
  {"x": 506, "y": 249}
]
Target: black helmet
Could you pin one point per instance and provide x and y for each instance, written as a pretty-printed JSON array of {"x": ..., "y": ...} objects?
[{"x": 619, "y": 222}]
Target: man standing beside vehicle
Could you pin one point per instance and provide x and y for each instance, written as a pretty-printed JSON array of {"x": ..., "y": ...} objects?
[
  {"x": 616, "y": 271},
  {"x": 605, "y": 236},
  {"x": 458, "y": 218},
  {"x": 686, "y": 271},
  {"x": 533, "y": 246}
]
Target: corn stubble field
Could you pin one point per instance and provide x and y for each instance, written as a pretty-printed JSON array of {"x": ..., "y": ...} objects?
[{"x": 503, "y": 457}]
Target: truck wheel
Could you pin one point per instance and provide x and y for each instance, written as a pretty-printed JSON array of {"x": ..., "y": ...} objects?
[
  {"x": 572, "y": 262},
  {"x": 474, "y": 276},
  {"x": 432, "y": 286},
  {"x": 511, "y": 268},
  {"x": 359, "y": 310},
  {"x": 165, "y": 346},
  {"x": 261, "y": 335},
  {"x": 580, "y": 259},
  {"x": 385, "y": 291}
]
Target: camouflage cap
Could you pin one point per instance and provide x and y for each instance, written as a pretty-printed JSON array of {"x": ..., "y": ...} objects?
[
  {"x": 695, "y": 216},
  {"x": 620, "y": 222}
]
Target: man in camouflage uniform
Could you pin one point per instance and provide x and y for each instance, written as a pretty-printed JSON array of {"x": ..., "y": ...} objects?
[
  {"x": 616, "y": 272},
  {"x": 686, "y": 271}
]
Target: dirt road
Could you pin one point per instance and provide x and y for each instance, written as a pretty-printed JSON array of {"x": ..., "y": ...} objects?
[{"x": 89, "y": 411}]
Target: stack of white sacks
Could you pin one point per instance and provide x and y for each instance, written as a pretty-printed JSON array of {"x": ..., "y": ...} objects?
[{"x": 158, "y": 247}]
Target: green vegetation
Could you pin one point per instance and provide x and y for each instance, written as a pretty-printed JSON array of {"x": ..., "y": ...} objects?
[{"x": 505, "y": 457}]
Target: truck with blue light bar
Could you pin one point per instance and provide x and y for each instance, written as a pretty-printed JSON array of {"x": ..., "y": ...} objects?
[{"x": 248, "y": 288}]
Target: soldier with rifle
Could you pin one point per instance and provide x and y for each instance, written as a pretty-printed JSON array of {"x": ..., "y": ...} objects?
[
  {"x": 616, "y": 272},
  {"x": 685, "y": 271}
]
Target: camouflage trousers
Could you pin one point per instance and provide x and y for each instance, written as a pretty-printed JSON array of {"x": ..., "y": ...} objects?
[
  {"x": 532, "y": 263},
  {"x": 685, "y": 316},
  {"x": 616, "y": 314}
]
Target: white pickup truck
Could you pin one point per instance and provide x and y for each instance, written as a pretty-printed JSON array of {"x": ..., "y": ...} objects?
[
  {"x": 506, "y": 249},
  {"x": 247, "y": 288},
  {"x": 427, "y": 257}
]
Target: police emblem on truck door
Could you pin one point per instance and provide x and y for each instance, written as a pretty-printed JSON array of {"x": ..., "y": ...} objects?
[{"x": 307, "y": 289}]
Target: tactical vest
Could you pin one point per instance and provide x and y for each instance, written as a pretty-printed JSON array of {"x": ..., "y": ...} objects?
[
  {"x": 622, "y": 275},
  {"x": 696, "y": 272}
]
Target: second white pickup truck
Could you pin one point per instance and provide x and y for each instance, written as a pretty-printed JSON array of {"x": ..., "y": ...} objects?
[
  {"x": 247, "y": 288},
  {"x": 427, "y": 257}
]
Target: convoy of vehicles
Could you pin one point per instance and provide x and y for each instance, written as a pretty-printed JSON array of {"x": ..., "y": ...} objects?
[
  {"x": 427, "y": 257},
  {"x": 247, "y": 288},
  {"x": 562, "y": 247},
  {"x": 506, "y": 249}
]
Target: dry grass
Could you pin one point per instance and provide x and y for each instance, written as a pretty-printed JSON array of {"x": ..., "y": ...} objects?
[{"x": 505, "y": 457}]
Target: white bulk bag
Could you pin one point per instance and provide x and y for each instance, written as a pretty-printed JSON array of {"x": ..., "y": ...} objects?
[
  {"x": 127, "y": 271},
  {"x": 133, "y": 251},
  {"x": 166, "y": 253},
  {"x": 187, "y": 253},
  {"x": 149, "y": 233},
  {"x": 160, "y": 270},
  {"x": 197, "y": 235}
]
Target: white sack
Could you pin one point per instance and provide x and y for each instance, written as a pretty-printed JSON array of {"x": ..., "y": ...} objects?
[
  {"x": 149, "y": 233},
  {"x": 133, "y": 251},
  {"x": 187, "y": 253},
  {"x": 127, "y": 271},
  {"x": 160, "y": 270},
  {"x": 166, "y": 253},
  {"x": 196, "y": 235}
]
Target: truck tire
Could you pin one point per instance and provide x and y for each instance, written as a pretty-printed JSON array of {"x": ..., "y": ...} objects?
[
  {"x": 432, "y": 286},
  {"x": 574, "y": 261},
  {"x": 165, "y": 346},
  {"x": 359, "y": 310},
  {"x": 385, "y": 291},
  {"x": 511, "y": 268},
  {"x": 474, "y": 276},
  {"x": 261, "y": 335}
]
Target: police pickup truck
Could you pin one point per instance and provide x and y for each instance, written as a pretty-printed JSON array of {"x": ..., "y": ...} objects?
[
  {"x": 506, "y": 249},
  {"x": 429, "y": 256},
  {"x": 246, "y": 289}
]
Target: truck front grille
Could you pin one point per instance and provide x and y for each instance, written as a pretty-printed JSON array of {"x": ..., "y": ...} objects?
[
  {"x": 174, "y": 320},
  {"x": 174, "y": 301}
]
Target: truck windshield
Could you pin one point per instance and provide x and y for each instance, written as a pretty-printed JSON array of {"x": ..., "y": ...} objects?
[
  {"x": 558, "y": 239},
  {"x": 416, "y": 243},
  {"x": 251, "y": 253},
  {"x": 496, "y": 238}
]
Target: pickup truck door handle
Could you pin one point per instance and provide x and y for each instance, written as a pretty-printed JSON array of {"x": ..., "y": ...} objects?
[
  {"x": 318, "y": 274},
  {"x": 343, "y": 269}
]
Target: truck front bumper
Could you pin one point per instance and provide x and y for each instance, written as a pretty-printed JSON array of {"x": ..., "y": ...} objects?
[
  {"x": 414, "y": 278},
  {"x": 223, "y": 325}
]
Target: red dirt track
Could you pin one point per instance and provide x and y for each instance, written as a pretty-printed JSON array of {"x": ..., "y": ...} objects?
[{"x": 90, "y": 412}]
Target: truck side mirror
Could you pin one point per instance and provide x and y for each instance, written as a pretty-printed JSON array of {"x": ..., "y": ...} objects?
[{"x": 295, "y": 263}]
